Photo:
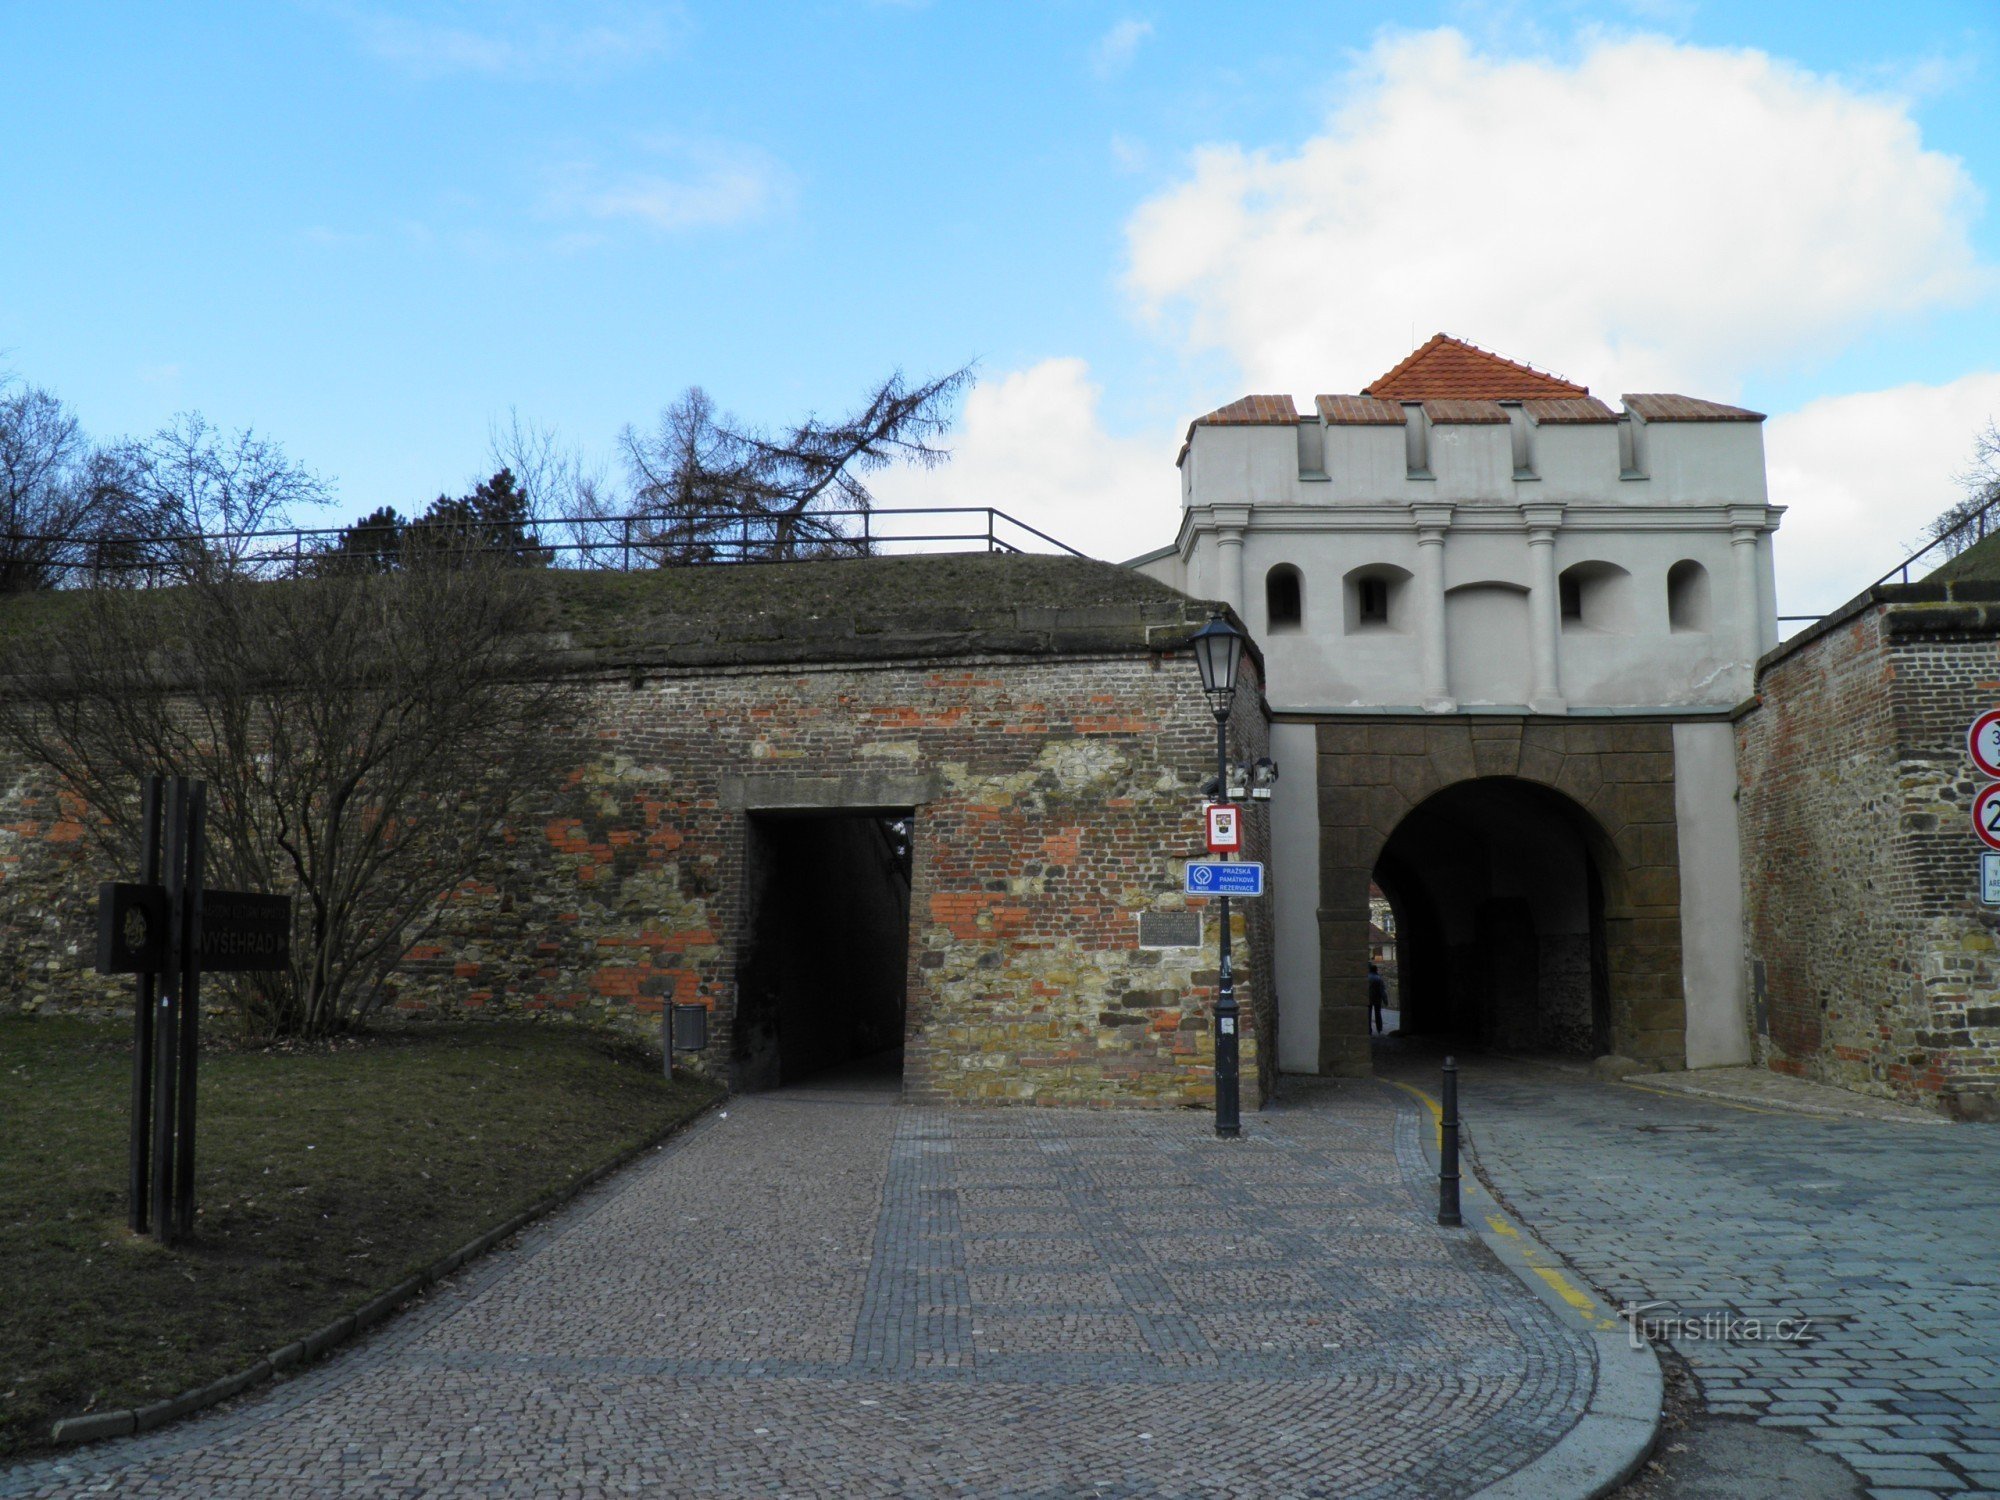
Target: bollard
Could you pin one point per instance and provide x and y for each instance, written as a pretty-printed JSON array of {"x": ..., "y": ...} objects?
[{"x": 1448, "y": 1150}]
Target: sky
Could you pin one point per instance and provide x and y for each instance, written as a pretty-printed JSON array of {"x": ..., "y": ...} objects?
[{"x": 376, "y": 232}]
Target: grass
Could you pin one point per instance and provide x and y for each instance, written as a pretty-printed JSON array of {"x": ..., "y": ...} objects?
[{"x": 324, "y": 1177}]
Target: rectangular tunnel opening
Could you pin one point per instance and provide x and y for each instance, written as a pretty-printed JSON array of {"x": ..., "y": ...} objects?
[{"x": 822, "y": 982}]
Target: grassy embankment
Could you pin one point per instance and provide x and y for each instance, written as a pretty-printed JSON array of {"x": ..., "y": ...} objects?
[{"x": 325, "y": 1176}]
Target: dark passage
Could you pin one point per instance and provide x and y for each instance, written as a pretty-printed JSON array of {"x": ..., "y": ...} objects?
[
  {"x": 1499, "y": 904},
  {"x": 822, "y": 982}
]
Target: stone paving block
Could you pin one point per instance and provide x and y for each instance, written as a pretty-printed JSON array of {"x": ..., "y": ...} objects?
[
  {"x": 824, "y": 1296},
  {"x": 1879, "y": 1229}
]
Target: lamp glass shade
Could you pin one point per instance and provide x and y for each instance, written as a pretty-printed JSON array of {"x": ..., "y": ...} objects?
[{"x": 1218, "y": 647}]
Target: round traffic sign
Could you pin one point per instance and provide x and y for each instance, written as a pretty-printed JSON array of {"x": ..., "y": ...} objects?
[
  {"x": 1983, "y": 741},
  {"x": 1986, "y": 815}
]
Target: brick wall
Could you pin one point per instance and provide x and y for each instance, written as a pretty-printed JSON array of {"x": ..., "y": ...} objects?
[
  {"x": 1864, "y": 926},
  {"x": 1055, "y": 799}
]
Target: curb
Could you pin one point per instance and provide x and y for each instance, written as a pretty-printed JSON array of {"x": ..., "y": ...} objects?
[
  {"x": 72, "y": 1431},
  {"x": 1805, "y": 1109},
  {"x": 1621, "y": 1423}
]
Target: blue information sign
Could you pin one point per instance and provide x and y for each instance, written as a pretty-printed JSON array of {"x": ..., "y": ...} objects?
[{"x": 1217, "y": 877}]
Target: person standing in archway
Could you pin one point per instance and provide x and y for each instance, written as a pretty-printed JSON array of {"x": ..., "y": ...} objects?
[{"x": 1378, "y": 996}]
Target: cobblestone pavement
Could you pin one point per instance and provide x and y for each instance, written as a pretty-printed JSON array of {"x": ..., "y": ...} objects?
[
  {"x": 1886, "y": 1235},
  {"x": 833, "y": 1295}
]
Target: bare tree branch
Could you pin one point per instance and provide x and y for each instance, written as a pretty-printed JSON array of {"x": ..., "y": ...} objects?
[
  {"x": 363, "y": 736},
  {"x": 1978, "y": 514}
]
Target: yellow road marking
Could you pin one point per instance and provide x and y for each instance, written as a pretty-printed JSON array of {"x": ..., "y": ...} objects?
[
  {"x": 1585, "y": 1306},
  {"x": 1580, "y": 1301},
  {"x": 1436, "y": 1109}
]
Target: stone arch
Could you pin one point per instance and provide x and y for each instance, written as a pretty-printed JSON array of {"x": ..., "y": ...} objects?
[
  {"x": 1610, "y": 785},
  {"x": 1502, "y": 884}
]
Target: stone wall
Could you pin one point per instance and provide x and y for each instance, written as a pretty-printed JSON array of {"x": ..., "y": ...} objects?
[
  {"x": 1873, "y": 960},
  {"x": 1617, "y": 777},
  {"x": 1054, "y": 798}
]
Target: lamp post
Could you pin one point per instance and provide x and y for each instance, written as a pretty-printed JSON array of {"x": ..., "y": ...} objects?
[{"x": 1218, "y": 648}]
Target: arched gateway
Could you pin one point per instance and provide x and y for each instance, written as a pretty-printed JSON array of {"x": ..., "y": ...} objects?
[{"x": 1534, "y": 871}]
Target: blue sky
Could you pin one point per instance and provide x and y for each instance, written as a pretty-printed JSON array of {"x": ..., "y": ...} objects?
[{"x": 371, "y": 230}]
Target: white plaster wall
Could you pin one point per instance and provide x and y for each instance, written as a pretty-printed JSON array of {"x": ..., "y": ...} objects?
[
  {"x": 1471, "y": 461},
  {"x": 1712, "y": 975},
  {"x": 1486, "y": 629},
  {"x": 1170, "y": 570},
  {"x": 1574, "y": 462},
  {"x": 1698, "y": 462},
  {"x": 1295, "y": 889},
  {"x": 1643, "y": 664}
]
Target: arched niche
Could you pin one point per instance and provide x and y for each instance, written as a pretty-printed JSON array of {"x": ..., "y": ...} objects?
[
  {"x": 1688, "y": 607},
  {"x": 1374, "y": 598},
  {"x": 1486, "y": 642},
  {"x": 1596, "y": 597},
  {"x": 1284, "y": 598}
]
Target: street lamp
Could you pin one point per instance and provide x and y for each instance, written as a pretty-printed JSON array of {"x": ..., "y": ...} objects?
[{"x": 1218, "y": 649}]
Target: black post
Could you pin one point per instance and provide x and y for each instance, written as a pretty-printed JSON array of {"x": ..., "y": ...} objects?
[
  {"x": 1448, "y": 1150},
  {"x": 196, "y": 810},
  {"x": 1228, "y": 1119},
  {"x": 166, "y": 1027},
  {"x": 142, "y": 1023}
]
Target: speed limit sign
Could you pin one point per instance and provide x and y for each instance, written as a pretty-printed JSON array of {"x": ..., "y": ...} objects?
[
  {"x": 1983, "y": 740},
  {"x": 1986, "y": 815}
]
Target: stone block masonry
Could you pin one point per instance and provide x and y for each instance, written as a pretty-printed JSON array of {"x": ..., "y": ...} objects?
[
  {"x": 1054, "y": 794},
  {"x": 1873, "y": 958},
  {"x": 1612, "y": 779}
]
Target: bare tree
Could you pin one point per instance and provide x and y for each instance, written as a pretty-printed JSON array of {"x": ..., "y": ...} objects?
[
  {"x": 364, "y": 735},
  {"x": 566, "y": 493},
  {"x": 205, "y": 493},
  {"x": 713, "y": 489},
  {"x": 60, "y": 497},
  {"x": 1978, "y": 514}
]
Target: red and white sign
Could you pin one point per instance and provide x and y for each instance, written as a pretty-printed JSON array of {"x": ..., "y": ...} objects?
[
  {"x": 1983, "y": 741},
  {"x": 1225, "y": 828},
  {"x": 1986, "y": 815}
]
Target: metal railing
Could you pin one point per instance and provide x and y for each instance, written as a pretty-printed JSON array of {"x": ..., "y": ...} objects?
[
  {"x": 1979, "y": 524},
  {"x": 621, "y": 543}
]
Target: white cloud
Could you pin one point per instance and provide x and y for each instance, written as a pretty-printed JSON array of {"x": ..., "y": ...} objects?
[
  {"x": 709, "y": 184},
  {"x": 1030, "y": 443},
  {"x": 1862, "y": 474},
  {"x": 1115, "y": 49},
  {"x": 1650, "y": 216},
  {"x": 514, "y": 40}
]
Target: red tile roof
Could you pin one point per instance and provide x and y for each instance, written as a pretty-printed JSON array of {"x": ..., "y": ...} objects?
[
  {"x": 1448, "y": 368},
  {"x": 1478, "y": 413},
  {"x": 1557, "y": 413},
  {"x": 1253, "y": 411},
  {"x": 1667, "y": 408},
  {"x": 1358, "y": 411}
]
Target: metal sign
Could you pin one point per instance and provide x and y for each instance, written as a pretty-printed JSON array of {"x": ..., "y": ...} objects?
[
  {"x": 1238, "y": 877},
  {"x": 1169, "y": 929},
  {"x": 1989, "y": 879},
  {"x": 131, "y": 928},
  {"x": 243, "y": 932},
  {"x": 1982, "y": 742},
  {"x": 1986, "y": 815},
  {"x": 1225, "y": 828}
]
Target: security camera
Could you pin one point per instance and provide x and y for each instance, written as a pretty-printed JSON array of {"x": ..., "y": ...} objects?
[{"x": 1263, "y": 772}]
